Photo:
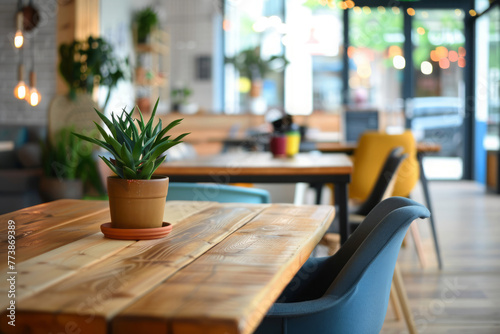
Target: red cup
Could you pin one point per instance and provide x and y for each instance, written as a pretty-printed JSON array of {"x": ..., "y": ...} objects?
[{"x": 278, "y": 146}]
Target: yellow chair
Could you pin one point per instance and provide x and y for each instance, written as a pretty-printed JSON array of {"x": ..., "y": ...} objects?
[{"x": 369, "y": 157}]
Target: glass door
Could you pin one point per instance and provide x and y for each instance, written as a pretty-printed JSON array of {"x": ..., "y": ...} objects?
[{"x": 437, "y": 109}]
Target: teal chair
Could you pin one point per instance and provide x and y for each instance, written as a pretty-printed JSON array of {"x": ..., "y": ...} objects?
[
  {"x": 180, "y": 191},
  {"x": 349, "y": 291}
]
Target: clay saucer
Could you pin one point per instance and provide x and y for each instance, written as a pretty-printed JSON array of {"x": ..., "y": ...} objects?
[{"x": 136, "y": 233}]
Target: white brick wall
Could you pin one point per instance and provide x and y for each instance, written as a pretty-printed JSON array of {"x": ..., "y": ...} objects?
[{"x": 13, "y": 111}]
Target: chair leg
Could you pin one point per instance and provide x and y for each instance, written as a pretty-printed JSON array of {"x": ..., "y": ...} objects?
[
  {"x": 405, "y": 240},
  {"x": 394, "y": 298},
  {"x": 425, "y": 188},
  {"x": 397, "y": 280},
  {"x": 418, "y": 244}
]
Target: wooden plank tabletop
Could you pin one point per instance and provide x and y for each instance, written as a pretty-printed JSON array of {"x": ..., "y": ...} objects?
[
  {"x": 349, "y": 147},
  {"x": 221, "y": 268},
  {"x": 260, "y": 163}
]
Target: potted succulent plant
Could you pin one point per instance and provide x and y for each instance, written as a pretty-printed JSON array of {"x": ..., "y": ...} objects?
[{"x": 136, "y": 197}]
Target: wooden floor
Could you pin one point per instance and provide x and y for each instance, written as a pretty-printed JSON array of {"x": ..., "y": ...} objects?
[{"x": 465, "y": 296}]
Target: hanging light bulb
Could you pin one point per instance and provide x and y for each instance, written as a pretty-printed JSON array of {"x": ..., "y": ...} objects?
[
  {"x": 21, "y": 90},
  {"x": 18, "y": 37},
  {"x": 34, "y": 96}
]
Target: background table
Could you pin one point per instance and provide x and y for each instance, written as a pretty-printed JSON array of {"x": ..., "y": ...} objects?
[
  {"x": 219, "y": 270},
  {"x": 261, "y": 167}
]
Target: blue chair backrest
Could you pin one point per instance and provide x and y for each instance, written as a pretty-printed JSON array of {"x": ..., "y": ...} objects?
[
  {"x": 221, "y": 193},
  {"x": 350, "y": 290}
]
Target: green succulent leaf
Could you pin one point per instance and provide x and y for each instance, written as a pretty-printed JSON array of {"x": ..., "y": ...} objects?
[
  {"x": 178, "y": 138},
  {"x": 147, "y": 170},
  {"x": 129, "y": 173},
  {"x": 112, "y": 167},
  {"x": 106, "y": 121}
]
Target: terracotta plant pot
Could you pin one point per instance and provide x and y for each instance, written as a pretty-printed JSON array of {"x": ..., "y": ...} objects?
[
  {"x": 137, "y": 203},
  {"x": 144, "y": 104},
  {"x": 256, "y": 88}
]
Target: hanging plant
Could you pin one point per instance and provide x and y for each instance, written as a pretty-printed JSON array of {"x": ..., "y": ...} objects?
[{"x": 85, "y": 64}]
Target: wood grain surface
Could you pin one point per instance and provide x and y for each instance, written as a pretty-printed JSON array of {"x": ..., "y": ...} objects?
[
  {"x": 220, "y": 268},
  {"x": 349, "y": 147},
  {"x": 260, "y": 163}
]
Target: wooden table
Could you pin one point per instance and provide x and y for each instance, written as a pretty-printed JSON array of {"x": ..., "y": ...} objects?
[
  {"x": 261, "y": 167},
  {"x": 219, "y": 270}
]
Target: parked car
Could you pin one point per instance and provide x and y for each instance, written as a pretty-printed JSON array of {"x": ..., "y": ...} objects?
[{"x": 438, "y": 120}]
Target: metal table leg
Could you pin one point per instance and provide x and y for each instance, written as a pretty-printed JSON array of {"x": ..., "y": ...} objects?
[{"x": 341, "y": 198}]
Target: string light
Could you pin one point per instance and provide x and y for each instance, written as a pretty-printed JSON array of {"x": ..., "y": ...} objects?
[
  {"x": 399, "y": 62},
  {"x": 18, "y": 37},
  {"x": 21, "y": 90},
  {"x": 426, "y": 67},
  {"x": 34, "y": 96}
]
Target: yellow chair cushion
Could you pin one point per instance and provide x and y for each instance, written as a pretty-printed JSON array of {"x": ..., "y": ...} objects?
[{"x": 369, "y": 157}]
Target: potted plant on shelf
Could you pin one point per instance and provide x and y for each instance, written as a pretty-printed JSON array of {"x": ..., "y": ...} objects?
[
  {"x": 145, "y": 20},
  {"x": 136, "y": 197},
  {"x": 180, "y": 100},
  {"x": 251, "y": 65},
  {"x": 68, "y": 166}
]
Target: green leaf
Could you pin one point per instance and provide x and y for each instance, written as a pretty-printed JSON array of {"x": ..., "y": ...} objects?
[
  {"x": 112, "y": 167},
  {"x": 115, "y": 145},
  {"x": 181, "y": 136},
  {"x": 158, "y": 162},
  {"x": 135, "y": 133},
  {"x": 141, "y": 121},
  {"x": 101, "y": 131},
  {"x": 127, "y": 157},
  {"x": 170, "y": 126},
  {"x": 147, "y": 170},
  {"x": 162, "y": 148},
  {"x": 136, "y": 153},
  {"x": 129, "y": 173},
  {"x": 154, "y": 109},
  {"x": 149, "y": 126},
  {"x": 148, "y": 143},
  {"x": 95, "y": 141},
  {"x": 106, "y": 121}
]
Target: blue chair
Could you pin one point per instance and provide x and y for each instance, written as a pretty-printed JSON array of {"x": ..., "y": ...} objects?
[
  {"x": 221, "y": 193},
  {"x": 349, "y": 291}
]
